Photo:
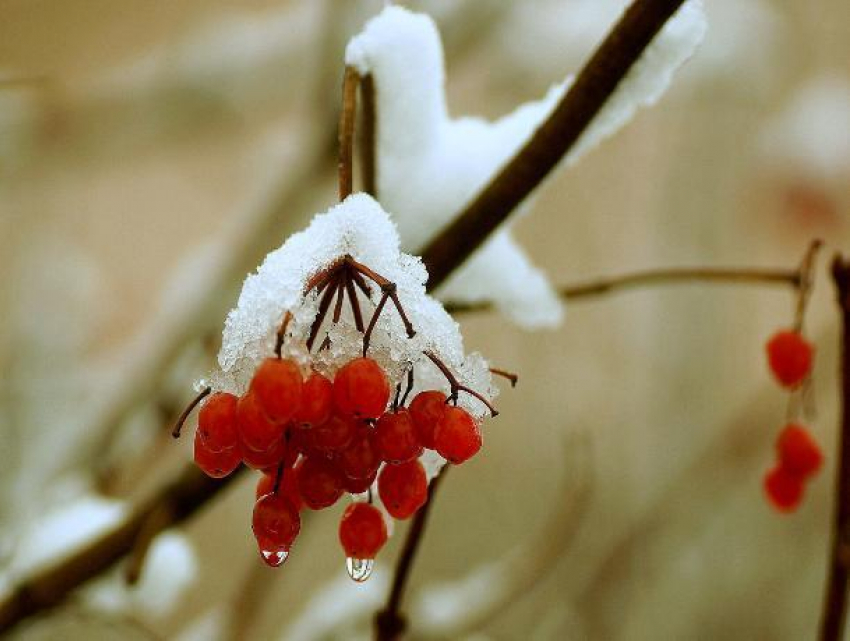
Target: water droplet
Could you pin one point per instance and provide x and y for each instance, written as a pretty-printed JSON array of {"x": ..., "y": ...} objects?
[
  {"x": 274, "y": 559},
  {"x": 359, "y": 569}
]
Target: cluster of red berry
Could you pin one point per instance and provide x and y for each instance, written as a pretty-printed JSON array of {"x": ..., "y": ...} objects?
[
  {"x": 314, "y": 439},
  {"x": 790, "y": 358}
]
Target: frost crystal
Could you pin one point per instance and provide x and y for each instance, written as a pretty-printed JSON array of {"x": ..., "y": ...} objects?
[
  {"x": 430, "y": 166},
  {"x": 358, "y": 227}
]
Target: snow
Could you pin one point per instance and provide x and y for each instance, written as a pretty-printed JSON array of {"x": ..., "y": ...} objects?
[
  {"x": 811, "y": 135},
  {"x": 430, "y": 165},
  {"x": 64, "y": 529},
  {"x": 361, "y": 228},
  {"x": 170, "y": 567}
]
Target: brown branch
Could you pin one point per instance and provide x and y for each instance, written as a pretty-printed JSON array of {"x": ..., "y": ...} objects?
[
  {"x": 182, "y": 497},
  {"x": 806, "y": 283},
  {"x": 155, "y": 522},
  {"x": 662, "y": 276},
  {"x": 835, "y": 600},
  {"x": 389, "y": 622},
  {"x": 346, "y": 132},
  {"x": 552, "y": 140}
]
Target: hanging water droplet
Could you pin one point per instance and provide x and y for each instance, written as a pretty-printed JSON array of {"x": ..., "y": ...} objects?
[
  {"x": 359, "y": 569},
  {"x": 274, "y": 559}
]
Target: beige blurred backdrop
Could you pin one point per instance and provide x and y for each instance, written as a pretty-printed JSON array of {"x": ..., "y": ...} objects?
[{"x": 139, "y": 137}]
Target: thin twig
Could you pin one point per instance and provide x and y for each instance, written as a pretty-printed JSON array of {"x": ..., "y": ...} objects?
[
  {"x": 347, "y": 119},
  {"x": 389, "y": 622},
  {"x": 513, "y": 378},
  {"x": 835, "y": 600},
  {"x": 655, "y": 277},
  {"x": 551, "y": 141}
]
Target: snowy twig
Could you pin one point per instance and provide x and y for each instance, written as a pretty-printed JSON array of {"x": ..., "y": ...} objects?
[
  {"x": 458, "y": 609},
  {"x": 525, "y": 171},
  {"x": 664, "y": 276},
  {"x": 552, "y": 140},
  {"x": 182, "y": 498},
  {"x": 835, "y": 600}
]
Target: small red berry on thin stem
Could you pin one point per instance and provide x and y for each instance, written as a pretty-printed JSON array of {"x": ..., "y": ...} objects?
[
  {"x": 396, "y": 437},
  {"x": 426, "y": 410},
  {"x": 403, "y": 488},
  {"x": 362, "y": 531},
  {"x": 361, "y": 389},
  {"x": 784, "y": 489},
  {"x": 276, "y": 525},
  {"x": 334, "y": 435},
  {"x": 217, "y": 422},
  {"x": 277, "y": 385},
  {"x": 798, "y": 451},
  {"x": 790, "y": 357},
  {"x": 215, "y": 464},
  {"x": 316, "y": 401},
  {"x": 256, "y": 430},
  {"x": 319, "y": 482},
  {"x": 361, "y": 459},
  {"x": 457, "y": 436}
]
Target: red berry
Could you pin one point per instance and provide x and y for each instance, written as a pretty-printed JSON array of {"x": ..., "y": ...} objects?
[
  {"x": 360, "y": 460},
  {"x": 217, "y": 422},
  {"x": 288, "y": 486},
  {"x": 319, "y": 482},
  {"x": 358, "y": 486},
  {"x": 798, "y": 451},
  {"x": 427, "y": 409},
  {"x": 276, "y": 523},
  {"x": 457, "y": 437},
  {"x": 396, "y": 438},
  {"x": 784, "y": 488},
  {"x": 361, "y": 389},
  {"x": 334, "y": 435},
  {"x": 403, "y": 488},
  {"x": 271, "y": 457},
  {"x": 316, "y": 401},
  {"x": 256, "y": 430},
  {"x": 362, "y": 531},
  {"x": 266, "y": 483},
  {"x": 215, "y": 464},
  {"x": 277, "y": 384},
  {"x": 790, "y": 357}
]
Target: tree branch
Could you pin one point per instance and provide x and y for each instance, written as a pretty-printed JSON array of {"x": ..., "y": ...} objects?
[
  {"x": 662, "y": 276},
  {"x": 835, "y": 599},
  {"x": 179, "y": 499},
  {"x": 552, "y": 140}
]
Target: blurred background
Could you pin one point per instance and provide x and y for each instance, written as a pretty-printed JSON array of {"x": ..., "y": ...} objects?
[{"x": 152, "y": 152}]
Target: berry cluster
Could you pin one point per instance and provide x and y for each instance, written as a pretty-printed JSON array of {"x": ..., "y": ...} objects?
[
  {"x": 798, "y": 455},
  {"x": 315, "y": 437}
]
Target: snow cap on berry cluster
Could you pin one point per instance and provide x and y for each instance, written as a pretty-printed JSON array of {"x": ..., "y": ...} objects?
[
  {"x": 430, "y": 165},
  {"x": 358, "y": 227}
]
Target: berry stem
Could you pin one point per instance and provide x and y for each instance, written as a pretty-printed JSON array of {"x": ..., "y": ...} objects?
[
  {"x": 367, "y": 337},
  {"x": 805, "y": 283},
  {"x": 354, "y": 302},
  {"x": 178, "y": 426},
  {"x": 281, "y": 333},
  {"x": 835, "y": 600},
  {"x": 455, "y": 385}
]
